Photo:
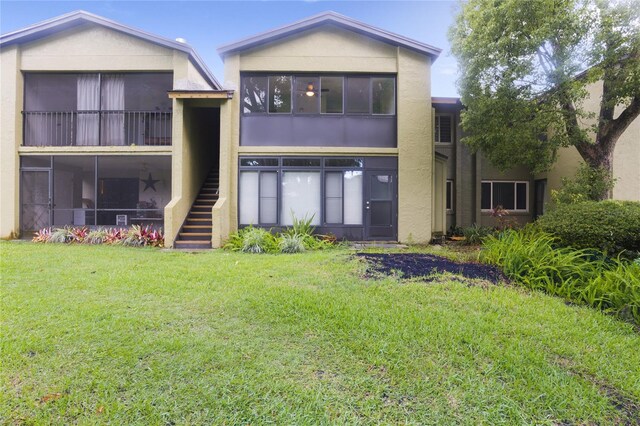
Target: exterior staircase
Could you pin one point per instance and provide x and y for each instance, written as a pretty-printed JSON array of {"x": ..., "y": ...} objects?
[{"x": 196, "y": 230}]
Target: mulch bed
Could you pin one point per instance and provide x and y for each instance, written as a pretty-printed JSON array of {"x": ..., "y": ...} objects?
[{"x": 426, "y": 265}]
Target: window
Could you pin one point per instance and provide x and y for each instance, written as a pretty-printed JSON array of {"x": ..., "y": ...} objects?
[
  {"x": 273, "y": 190},
  {"x": 280, "y": 94},
  {"x": 331, "y": 95},
  {"x": 358, "y": 95},
  {"x": 444, "y": 128},
  {"x": 258, "y": 197},
  {"x": 307, "y": 99},
  {"x": 449, "y": 201},
  {"x": 343, "y": 197},
  {"x": 254, "y": 94},
  {"x": 318, "y": 94},
  {"x": 300, "y": 197},
  {"x": 383, "y": 93},
  {"x": 512, "y": 196}
]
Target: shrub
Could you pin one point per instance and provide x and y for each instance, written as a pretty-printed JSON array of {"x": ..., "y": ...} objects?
[
  {"x": 61, "y": 235},
  {"x": 475, "y": 234},
  {"x": 291, "y": 243},
  {"x": 258, "y": 240},
  {"x": 97, "y": 236},
  {"x": 609, "y": 226},
  {"x": 585, "y": 276},
  {"x": 42, "y": 236}
]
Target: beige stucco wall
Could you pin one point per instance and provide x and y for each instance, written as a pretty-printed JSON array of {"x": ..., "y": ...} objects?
[
  {"x": 324, "y": 49},
  {"x": 626, "y": 156},
  {"x": 11, "y": 95},
  {"x": 331, "y": 49},
  {"x": 92, "y": 47},
  {"x": 415, "y": 145},
  {"x": 85, "y": 48}
]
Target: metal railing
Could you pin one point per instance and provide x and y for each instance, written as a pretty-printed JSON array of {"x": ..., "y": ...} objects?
[{"x": 97, "y": 128}]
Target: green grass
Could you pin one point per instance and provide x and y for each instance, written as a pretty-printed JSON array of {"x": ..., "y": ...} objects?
[{"x": 142, "y": 336}]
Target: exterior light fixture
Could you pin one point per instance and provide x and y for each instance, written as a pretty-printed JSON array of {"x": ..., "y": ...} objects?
[{"x": 310, "y": 91}]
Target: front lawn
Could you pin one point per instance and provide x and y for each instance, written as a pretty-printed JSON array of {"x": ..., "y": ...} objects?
[{"x": 97, "y": 334}]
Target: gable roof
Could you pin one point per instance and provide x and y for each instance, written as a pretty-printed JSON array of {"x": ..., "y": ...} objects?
[
  {"x": 74, "y": 19},
  {"x": 330, "y": 18}
]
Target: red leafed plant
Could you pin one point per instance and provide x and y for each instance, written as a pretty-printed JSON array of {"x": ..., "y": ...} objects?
[
  {"x": 79, "y": 234},
  {"x": 135, "y": 236},
  {"x": 42, "y": 236}
]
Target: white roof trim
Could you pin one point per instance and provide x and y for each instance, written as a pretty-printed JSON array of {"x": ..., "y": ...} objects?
[
  {"x": 329, "y": 18},
  {"x": 73, "y": 19}
]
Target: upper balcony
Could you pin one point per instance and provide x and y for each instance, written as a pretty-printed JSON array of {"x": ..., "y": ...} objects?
[{"x": 97, "y": 109}]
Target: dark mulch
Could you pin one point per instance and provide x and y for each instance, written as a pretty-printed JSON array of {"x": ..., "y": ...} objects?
[{"x": 425, "y": 265}]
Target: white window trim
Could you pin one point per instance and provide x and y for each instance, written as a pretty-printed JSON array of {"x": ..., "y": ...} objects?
[
  {"x": 453, "y": 198},
  {"x": 435, "y": 136},
  {"x": 515, "y": 194}
]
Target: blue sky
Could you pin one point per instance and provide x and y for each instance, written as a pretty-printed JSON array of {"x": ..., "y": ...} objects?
[{"x": 208, "y": 24}]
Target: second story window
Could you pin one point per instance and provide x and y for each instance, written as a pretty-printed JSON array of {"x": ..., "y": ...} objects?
[
  {"x": 444, "y": 128},
  {"x": 314, "y": 95},
  {"x": 92, "y": 109}
]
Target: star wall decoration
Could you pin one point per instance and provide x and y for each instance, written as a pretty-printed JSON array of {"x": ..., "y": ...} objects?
[{"x": 149, "y": 182}]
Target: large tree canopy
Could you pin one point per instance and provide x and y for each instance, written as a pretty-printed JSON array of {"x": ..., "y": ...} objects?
[{"x": 525, "y": 69}]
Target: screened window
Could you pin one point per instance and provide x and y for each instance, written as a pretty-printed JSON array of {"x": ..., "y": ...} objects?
[
  {"x": 383, "y": 93},
  {"x": 307, "y": 99},
  {"x": 280, "y": 94},
  {"x": 314, "y": 94},
  {"x": 254, "y": 94},
  {"x": 509, "y": 195},
  {"x": 444, "y": 128},
  {"x": 358, "y": 91},
  {"x": 331, "y": 95},
  {"x": 449, "y": 201}
]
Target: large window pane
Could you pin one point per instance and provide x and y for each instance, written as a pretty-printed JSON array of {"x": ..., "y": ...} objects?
[
  {"x": 333, "y": 197},
  {"x": 504, "y": 195},
  {"x": 300, "y": 197},
  {"x": 249, "y": 197},
  {"x": 381, "y": 187},
  {"x": 358, "y": 95},
  {"x": 74, "y": 190},
  {"x": 280, "y": 94},
  {"x": 331, "y": 95},
  {"x": 254, "y": 94},
  {"x": 384, "y": 96},
  {"x": 269, "y": 197},
  {"x": 307, "y": 99},
  {"x": 353, "y": 197}
]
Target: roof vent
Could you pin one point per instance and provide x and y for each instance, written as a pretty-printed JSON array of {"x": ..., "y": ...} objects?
[{"x": 181, "y": 40}]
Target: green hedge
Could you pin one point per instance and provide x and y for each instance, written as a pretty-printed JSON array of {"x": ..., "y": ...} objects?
[{"x": 610, "y": 226}]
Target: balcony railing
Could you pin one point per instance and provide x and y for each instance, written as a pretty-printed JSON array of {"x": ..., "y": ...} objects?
[{"x": 97, "y": 128}]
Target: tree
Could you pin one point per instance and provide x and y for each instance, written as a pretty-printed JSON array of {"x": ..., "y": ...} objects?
[{"x": 525, "y": 71}]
